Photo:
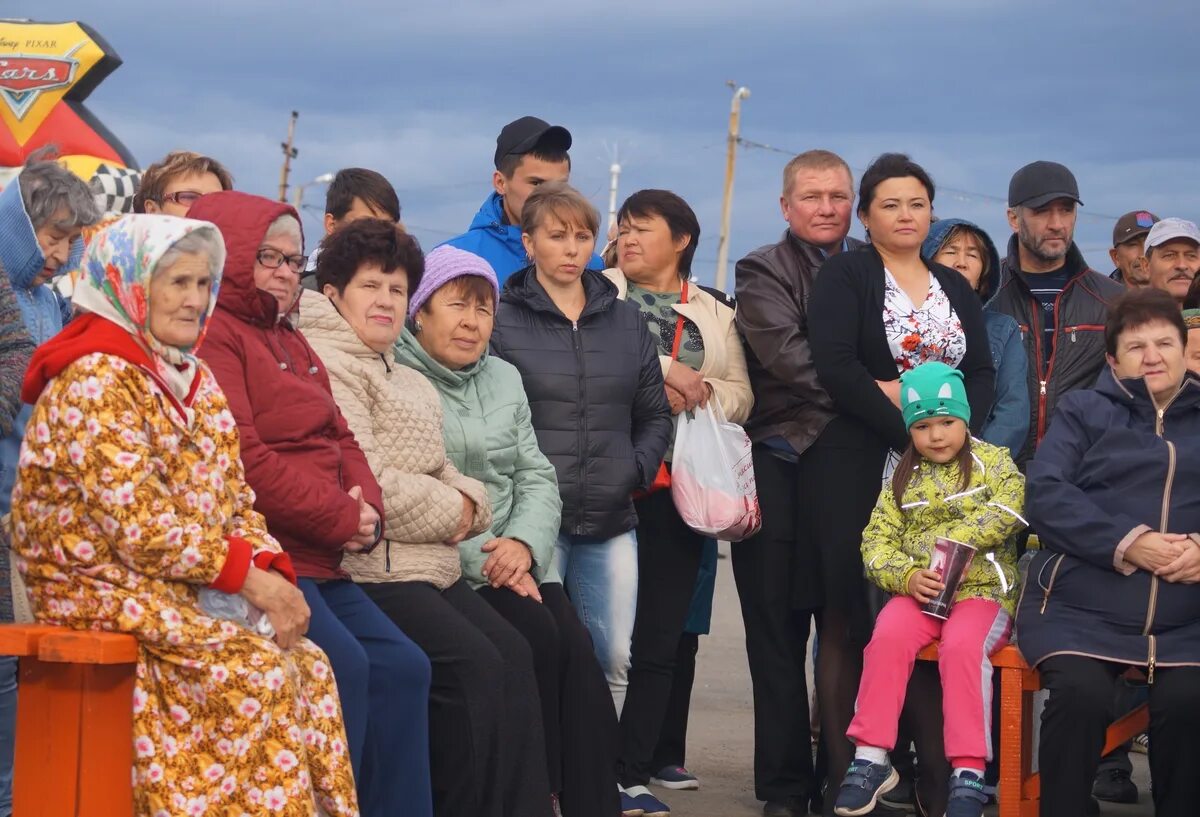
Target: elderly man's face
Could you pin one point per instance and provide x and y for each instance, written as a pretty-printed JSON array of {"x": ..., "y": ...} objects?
[
  {"x": 1129, "y": 258},
  {"x": 55, "y": 239},
  {"x": 1173, "y": 265},
  {"x": 817, "y": 207}
]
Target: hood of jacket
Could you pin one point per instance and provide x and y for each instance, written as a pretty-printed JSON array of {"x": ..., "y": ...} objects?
[
  {"x": 523, "y": 288},
  {"x": 20, "y": 253},
  {"x": 491, "y": 217},
  {"x": 243, "y": 220},
  {"x": 940, "y": 230},
  {"x": 409, "y": 352}
]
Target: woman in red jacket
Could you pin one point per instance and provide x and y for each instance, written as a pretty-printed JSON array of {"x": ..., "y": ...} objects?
[{"x": 319, "y": 497}]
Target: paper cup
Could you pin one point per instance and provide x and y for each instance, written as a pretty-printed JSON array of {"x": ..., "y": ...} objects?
[{"x": 950, "y": 561}]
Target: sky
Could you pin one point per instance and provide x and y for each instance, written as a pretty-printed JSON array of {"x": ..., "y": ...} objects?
[{"x": 971, "y": 89}]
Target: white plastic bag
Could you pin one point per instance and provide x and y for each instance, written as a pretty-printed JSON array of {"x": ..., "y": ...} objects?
[{"x": 712, "y": 476}]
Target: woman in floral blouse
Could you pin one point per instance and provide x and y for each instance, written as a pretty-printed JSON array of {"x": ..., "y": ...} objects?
[
  {"x": 131, "y": 514},
  {"x": 875, "y": 313}
]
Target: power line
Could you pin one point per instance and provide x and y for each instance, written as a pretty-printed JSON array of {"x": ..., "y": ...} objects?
[{"x": 964, "y": 195}]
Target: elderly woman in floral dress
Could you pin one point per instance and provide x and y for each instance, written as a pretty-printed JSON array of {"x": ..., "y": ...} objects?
[{"x": 131, "y": 514}]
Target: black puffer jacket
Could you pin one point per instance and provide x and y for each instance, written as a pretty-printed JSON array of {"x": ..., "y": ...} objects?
[
  {"x": 1076, "y": 357},
  {"x": 596, "y": 393}
]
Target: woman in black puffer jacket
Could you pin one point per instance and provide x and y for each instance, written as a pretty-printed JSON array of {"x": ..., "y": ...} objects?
[{"x": 595, "y": 388}]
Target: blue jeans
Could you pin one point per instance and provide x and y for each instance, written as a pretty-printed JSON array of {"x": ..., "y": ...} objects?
[
  {"x": 8, "y": 722},
  {"x": 383, "y": 683},
  {"x": 601, "y": 578}
]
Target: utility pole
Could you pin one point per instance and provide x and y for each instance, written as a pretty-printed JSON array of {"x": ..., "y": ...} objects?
[
  {"x": 735, "y": 113},
  {"x": 289, "y": 153},
  {"x": 615, "y": 171}
]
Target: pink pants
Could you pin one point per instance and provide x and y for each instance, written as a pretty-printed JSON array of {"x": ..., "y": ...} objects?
[{"x": 976, "y": 629}]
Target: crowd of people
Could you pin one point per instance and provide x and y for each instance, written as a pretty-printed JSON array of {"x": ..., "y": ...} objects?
[{"x": 394, "y": 529}]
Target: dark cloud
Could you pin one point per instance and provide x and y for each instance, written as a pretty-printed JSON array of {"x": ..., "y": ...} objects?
[{"x": 418, "y": 90}]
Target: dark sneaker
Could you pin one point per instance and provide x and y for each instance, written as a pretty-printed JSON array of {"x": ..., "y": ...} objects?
[
  {"x": 792, "y": 807},
  {"x": 644, "y": 803},
  {"x": 675, "y": 777},
  {"x": 968, "y": 795},
  {"x": 900, "y": 798},
  {"x": 862, "y": 787},
  {"x": 1115, "y": 786},
  {"x": 629, "y": 807}
]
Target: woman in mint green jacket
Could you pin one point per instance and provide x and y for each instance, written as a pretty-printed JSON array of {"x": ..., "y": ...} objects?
[{"x": 489, "y": 436}]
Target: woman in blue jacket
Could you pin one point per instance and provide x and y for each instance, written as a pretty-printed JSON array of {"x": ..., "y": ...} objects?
[
  {"x": 965, "y": 247},
  {"x": 1112, "y": 495}
]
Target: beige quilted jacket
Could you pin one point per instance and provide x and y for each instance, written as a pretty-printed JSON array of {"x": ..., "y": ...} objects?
[{"x": 396, "y": 417}]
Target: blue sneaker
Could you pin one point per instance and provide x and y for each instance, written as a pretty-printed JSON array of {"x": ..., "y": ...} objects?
[
  {"x": 675, "y": 777},
  {"x": 968, "y": 795},
  {"x": 642, "y": 803},
  {"x": 864, "y": 783}
]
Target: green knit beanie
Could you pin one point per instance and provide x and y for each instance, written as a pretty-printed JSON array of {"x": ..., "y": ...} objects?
[{"x": 933, "y": 390}]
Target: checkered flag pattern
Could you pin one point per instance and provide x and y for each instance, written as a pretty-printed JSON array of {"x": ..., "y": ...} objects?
[{"x": 114, "y": 187}]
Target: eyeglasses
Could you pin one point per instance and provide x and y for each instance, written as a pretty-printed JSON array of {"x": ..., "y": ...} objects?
[
  {"x": 274, "y": 259},
  {"x": 184, "y": 198}
]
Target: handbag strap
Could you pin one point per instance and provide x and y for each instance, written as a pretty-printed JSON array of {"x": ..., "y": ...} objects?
[{"x": 679, "y": 325}]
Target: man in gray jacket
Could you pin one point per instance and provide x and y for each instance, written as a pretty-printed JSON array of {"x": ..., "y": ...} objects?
[{"x": 791, "y": 409}]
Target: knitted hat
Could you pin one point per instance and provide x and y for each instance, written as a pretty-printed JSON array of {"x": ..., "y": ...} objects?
[
  {"x": 445, "y": 264},
  {"x": 933, "y": 390},
  {"x": 1191, "y": 318}
]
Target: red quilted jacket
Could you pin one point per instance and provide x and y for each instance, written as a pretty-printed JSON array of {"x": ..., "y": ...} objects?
[{"x": 300, "y": 456}]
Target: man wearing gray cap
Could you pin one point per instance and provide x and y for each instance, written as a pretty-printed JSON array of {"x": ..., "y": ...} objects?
[
  {"x": 1128, "y": 248},
  {"x": 1046, "y": 286},
  {"x": 1173, "y": 256}
]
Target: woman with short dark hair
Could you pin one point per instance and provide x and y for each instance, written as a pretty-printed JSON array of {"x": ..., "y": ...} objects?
[
  {"x": 702, "y": 359},
  {"x": 875, "y": 313},
  {"x": 1111, "y": 493},
  {"x": 487, "y": 755}
]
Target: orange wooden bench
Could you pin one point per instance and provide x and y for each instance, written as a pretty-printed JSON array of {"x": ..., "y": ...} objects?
[
  {"x": 1020, "y": 788},
  {"x": 74, "y": 741}
]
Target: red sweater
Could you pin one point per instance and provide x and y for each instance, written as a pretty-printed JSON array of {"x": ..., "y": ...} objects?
[{"x": 300, "y": 456}]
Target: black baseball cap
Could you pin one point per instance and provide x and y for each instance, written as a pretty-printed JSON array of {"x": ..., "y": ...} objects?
[
  {"x": 523, "y": 135},
  {"x": 1039, "y": 183}
]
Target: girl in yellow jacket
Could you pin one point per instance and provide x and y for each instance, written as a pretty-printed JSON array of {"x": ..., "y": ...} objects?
[{"x": 946, "y": 486}]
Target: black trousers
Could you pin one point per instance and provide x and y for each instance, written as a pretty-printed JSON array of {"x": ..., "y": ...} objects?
[
  {"x": 672, "y": 738},
  {"x": 668, "y": 562},
  {"x": 776, "y": 636},
  {"x": 485, "y": 721},
  {"x": 578, "y": 716},
  {"x": 1077, "y": 715}
]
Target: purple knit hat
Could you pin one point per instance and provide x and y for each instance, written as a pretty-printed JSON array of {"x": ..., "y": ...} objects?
[{"x": 445, "y": 264}]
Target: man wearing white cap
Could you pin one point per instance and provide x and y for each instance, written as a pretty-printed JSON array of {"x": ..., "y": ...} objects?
[{"x": 1173, "y": 256}]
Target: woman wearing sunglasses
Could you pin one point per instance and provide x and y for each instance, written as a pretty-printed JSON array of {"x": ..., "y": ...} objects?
[{"x": 173, "y": 185}]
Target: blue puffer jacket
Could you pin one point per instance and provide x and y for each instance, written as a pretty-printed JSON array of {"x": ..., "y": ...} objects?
[
  {"x": 492, "y": 238},
  {"x": 43, "y": 310},
  {"x": 1109, "y": 469},
  {"x": 1008, "y": 421}
]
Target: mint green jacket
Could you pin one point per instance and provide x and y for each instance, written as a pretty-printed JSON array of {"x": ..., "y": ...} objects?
[
  {"x": 489, "y": 436},
  {"x": 898, "y": 541}
]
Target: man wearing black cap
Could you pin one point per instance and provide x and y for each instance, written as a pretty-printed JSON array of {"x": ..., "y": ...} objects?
[
  {"x": 529, "y": 152},
  {"x": 1046, "y": 286},
  {"x": 1129, "y": 239}
]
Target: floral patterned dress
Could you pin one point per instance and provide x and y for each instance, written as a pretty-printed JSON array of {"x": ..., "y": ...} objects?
[{"x": 121, "y": 515}]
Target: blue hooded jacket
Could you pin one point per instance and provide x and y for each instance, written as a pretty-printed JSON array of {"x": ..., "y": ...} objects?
[
  {"x": 1008, "y": 421},
  {"x": 498, "y": 242},
  {"x": 43, "y": 310}
]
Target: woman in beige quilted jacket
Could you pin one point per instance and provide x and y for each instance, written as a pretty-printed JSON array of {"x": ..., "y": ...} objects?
[{"x": 486, "y": 744}]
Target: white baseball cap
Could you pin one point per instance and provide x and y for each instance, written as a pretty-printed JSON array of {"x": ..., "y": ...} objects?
[{"x": 1170, "y": 229}]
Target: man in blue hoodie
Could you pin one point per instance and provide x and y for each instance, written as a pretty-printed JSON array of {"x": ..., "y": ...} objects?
[
  {"x": 529, "y": 152},
  {"x": 42, "y": 213}
]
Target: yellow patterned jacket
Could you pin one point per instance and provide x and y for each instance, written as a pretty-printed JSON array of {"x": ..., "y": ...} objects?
[
  {"x": 899, "y": 539},
  {"x": 121, "y": 512}
]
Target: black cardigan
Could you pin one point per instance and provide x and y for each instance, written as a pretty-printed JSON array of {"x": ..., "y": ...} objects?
[{"x": 851, "y": 351}]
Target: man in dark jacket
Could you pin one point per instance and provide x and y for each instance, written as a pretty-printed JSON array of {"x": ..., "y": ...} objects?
[
  {"x": 1046, "y": 286},
  {"x": 1129, "y": 248},
  {"x": 791, "y": 408}
]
